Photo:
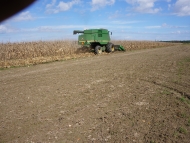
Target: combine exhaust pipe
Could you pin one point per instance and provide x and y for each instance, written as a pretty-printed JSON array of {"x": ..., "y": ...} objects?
[{"x": 77, "y": 31}]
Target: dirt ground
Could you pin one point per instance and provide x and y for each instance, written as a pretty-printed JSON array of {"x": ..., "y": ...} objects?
[{"x": 138, "y": 96}]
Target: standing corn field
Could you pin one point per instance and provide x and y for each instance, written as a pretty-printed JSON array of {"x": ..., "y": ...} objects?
[{"x": 30, "y": 53}]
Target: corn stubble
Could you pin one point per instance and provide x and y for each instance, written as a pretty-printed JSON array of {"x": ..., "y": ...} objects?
[{"x": 31, "y": 53}]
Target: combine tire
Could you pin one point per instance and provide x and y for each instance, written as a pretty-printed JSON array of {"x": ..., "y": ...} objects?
[
  {"x": 110, "y": 47},
  {"x": 98, "y": 50}
]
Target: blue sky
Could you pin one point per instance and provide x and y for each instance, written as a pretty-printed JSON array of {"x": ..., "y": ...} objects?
[{"x": 127, "y": 19}]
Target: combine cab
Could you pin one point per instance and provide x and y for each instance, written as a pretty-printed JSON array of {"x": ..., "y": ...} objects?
[{"x": 98, "y": 40}]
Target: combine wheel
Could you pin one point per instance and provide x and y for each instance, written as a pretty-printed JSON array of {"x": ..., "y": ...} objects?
[
  {"x": 98, "y": 50},
  {"x": 110, "y": 47}
]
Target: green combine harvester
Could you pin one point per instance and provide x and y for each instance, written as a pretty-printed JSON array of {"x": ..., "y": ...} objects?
[{"x": 98, "y": 40}]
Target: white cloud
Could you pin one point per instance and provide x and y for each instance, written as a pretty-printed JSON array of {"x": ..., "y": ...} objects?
[
  {"x": 23, "y": 16},
  {"x": 144, "y": 6},
  {"x": 182, "y": 8},
  {"x": 6, "y": 29},
  {"x": 2, "y": 29},
  {"x": 120, "y": 22},
  {"x": 153, "y": 27},
  {"x": 62, "y": 6},
  {"x": 164, "y": 25},
  {"x": 181, "y": 32},
  {"x": 169, "y": 6},
  {"x": 51, "y": 4},
  {"x": 96, "y": 4},
  {"x": 50, "y": 8}
]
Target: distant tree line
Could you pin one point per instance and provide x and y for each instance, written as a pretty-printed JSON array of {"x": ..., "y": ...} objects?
[{"x": 178, "y": 41}]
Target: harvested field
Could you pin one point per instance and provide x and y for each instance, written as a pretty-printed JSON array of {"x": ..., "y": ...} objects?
[
  {"x": 31, "y": 53},
  {"x": 140, "y": 96}
]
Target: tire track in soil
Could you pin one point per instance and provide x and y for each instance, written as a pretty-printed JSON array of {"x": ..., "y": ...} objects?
[{"x": 183, "y": 94}]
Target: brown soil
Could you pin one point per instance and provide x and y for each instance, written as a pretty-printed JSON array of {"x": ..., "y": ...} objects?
[{"x": 138, "y": 96}]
